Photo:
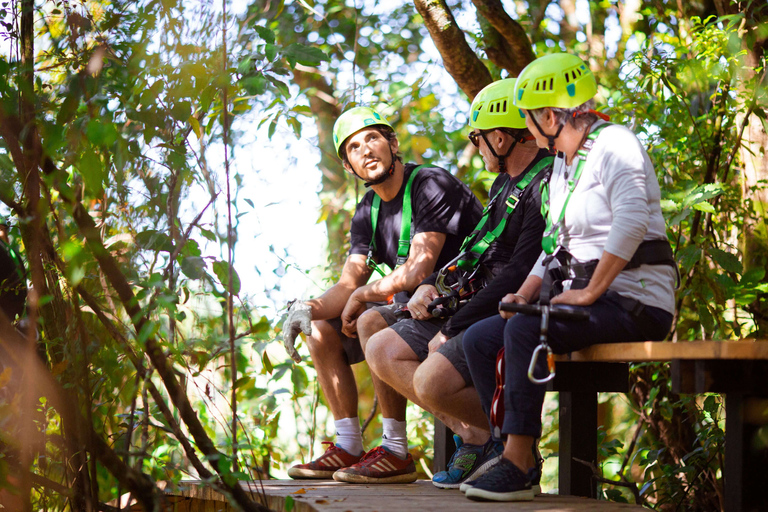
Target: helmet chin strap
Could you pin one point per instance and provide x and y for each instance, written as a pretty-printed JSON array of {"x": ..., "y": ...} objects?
[
  {"x": 390, "y": 172},
  {"x": 550, "y": 138},
  {"x": 502, "y": 159}
]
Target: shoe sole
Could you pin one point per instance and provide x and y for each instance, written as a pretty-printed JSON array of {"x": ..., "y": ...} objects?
[
  {"x": 536, "y": 488},
  {"x": 310, "y": 474},
  {"x": 478, "y": 472},
  {"x": 482, "y": 495},
  {"x": 352, "y": 478}
]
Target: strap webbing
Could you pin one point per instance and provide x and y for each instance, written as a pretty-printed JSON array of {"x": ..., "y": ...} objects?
[
  {"x": 404, "y": 245},
  {"x": 552, "y": 229},
  {"x": 473, "y": 248}
]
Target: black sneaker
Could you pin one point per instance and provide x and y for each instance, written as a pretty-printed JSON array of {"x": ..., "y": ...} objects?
[{"x": 503, "y": 482}]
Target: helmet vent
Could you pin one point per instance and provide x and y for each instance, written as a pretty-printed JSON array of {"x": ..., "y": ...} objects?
[
  {"x": 544, "y": 84},
  {"x": 497, "y": 107},
  {"x": 574, "y": 73}
]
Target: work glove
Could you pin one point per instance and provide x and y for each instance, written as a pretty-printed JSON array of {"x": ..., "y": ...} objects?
[{"x": 299, "y": 319}]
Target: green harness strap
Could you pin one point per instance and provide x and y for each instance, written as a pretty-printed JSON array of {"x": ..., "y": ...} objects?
[
  {"x": 552, "y": 229},
  {"x": 404, "y": 245},
  {"x": 478, "y": 247}
]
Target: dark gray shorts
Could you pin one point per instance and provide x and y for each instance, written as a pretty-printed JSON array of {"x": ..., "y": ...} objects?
[
  {"x": 352, "y": 348},
  {"x": 418, "y": 333}
]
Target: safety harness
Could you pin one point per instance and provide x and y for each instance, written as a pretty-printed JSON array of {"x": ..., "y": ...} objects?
[
  {"x": 406, "y": 237},
  {"x": 467, "y": 275},
  {"x": 564, "y": 272}
]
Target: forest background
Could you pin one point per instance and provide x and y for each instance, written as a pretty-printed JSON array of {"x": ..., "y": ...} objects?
[{"x": 125, "y": 130}]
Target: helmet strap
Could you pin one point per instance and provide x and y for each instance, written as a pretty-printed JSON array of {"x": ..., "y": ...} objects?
[
  {"x": 550, "y": 138},
  {"x": 390, "y": 172},
  {"x": 502, "y": 159}
]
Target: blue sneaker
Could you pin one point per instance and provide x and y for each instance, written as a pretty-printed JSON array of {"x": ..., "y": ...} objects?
[
  {"x": 504, "y": 482},
  {"x": 469, "y": 461}
]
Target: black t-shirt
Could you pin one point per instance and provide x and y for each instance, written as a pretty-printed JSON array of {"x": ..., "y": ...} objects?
[
  {"x": 511, "y": 256},
  {"x": 440, "y": 203}
]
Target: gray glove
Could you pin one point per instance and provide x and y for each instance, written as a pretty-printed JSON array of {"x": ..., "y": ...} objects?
[{"x": 299, "y": 319}]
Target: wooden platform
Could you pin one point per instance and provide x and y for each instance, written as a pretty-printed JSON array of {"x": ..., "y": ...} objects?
[
  {"x": 746, "y": 349},
  {"x": 329, "y": 496}
]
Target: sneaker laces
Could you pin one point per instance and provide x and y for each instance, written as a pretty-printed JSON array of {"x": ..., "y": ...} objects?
[{"x": 373, "y": 453}]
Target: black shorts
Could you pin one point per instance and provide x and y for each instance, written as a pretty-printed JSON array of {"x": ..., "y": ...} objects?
[
  {"x": 352, "y": 348},
  {"x": 418, "y": 333}
]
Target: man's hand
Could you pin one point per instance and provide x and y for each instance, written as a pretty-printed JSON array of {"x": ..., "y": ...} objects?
[
  {"x": 299, "y": 319},
  {"x": 437, "y": 342},
  {"x": 355, "y": 307},
  {"x": 421, "y": 298}
]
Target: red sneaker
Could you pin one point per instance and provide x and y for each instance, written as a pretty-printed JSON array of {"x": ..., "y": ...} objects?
[
  {"x": 326, "y": 465},
  {"x": 379, "y": 466}
]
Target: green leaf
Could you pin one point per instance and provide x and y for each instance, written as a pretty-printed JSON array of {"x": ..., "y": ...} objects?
[
  {"x": 270, "y": 50},
  {"x": 92, "y": 171},
  {"x": 704, "y": 207},
  {"x": 193, "y": 267},
  {"x": 101, "y": 134},
  {"x": 726, "y": 260},
  {"x": 306, "y": 55},
  {"x": 264, "y": 33},
  {"x": 289, "y": 503},
  {"x": 267, "y": 363},
  {"x": 281, "y": 86},
  {"x": 221, "y": 269},
  {"x": 254, "y": 85},
  {"x": 208, "y": 234},
  {"x": 154, "y": 240}
]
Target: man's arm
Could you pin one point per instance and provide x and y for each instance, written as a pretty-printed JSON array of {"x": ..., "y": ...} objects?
[
  {"x": 331, "y": 303},
  {"x": 422, "y": 258}
]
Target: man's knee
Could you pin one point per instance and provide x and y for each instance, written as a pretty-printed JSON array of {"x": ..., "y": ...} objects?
[
  {"x": 436, "y": 378},
  {"x": 377, "y": 348},
  {"x": 324, "y": 337},
  {"x": 369, "y": 324}
]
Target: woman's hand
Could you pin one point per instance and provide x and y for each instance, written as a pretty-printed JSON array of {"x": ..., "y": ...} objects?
[{"x": 584, "y": 297}]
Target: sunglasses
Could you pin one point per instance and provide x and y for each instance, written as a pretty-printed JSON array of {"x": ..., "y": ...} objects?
[{"x": 474, "y": 137}]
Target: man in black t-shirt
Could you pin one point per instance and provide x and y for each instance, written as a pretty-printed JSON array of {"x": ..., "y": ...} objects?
[
  {"x": 423, "y": 357},
  {"x": 413, "y": 218}
]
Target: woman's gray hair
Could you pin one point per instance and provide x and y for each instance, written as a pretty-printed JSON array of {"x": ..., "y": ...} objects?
[{"x": 579, "y": 117}]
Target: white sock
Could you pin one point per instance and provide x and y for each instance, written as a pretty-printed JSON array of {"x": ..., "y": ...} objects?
[
  {"x": 348, "y": 436},
  {"x": 394, "y": 437}
]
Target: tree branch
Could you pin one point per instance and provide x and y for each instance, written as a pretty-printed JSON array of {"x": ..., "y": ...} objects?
[
  {"x": 459, "y": 60},
  {"x": 521, "y": 49}
]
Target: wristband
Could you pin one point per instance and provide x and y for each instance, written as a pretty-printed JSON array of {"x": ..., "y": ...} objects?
[{"x": 522, "y": 297}]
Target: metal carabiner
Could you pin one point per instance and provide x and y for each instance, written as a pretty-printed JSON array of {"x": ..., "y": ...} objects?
[
  {"x": 550, "y": 365},
  {"x": 543, "y": 346}
]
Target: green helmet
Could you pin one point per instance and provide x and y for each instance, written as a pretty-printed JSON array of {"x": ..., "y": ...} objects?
[
  {"x": 559, "y": 80},
  {"x": 353, "y": 120},
  {"x": 493, "y": 107}
]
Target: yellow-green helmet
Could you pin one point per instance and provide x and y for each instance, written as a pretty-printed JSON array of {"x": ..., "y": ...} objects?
[
  {"x": 559, "y": 80},
  {"x": 493, "y": 107},
  {"x": 353, "y": 120}
]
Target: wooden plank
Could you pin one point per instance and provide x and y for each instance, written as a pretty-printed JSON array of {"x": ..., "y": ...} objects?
[
  {"x": 643, "y": 351},
  {"x": 330, "y": 496}
]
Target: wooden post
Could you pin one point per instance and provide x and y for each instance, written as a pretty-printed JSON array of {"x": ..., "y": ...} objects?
[
  {"x": 444, "y": 446},
  {"x": 578, "y": 440}
]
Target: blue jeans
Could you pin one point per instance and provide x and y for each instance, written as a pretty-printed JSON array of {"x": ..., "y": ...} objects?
[{"x": 608, "y": 322}]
